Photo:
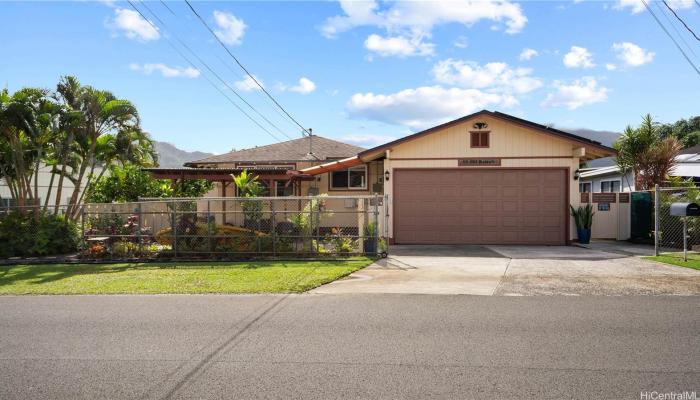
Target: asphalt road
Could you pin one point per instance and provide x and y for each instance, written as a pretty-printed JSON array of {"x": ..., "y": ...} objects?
[{"x": 347, "y": 346}]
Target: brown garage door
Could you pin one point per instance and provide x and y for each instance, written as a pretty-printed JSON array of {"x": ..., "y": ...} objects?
[{"x": 450, "y": 206}]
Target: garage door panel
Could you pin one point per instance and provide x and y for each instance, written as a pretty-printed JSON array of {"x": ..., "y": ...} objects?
[{"x": 480, "y": 206}]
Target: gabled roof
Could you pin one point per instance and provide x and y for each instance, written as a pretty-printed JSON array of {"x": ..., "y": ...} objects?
[
  {"x": 290, "y": 151},
  {"x": 605, "y": 150}
]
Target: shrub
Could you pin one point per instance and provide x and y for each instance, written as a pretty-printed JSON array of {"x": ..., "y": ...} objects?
[{"x": 27, "y": 235}]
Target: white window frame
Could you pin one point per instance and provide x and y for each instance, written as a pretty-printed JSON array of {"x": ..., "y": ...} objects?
[
  {"x": 611, "y": 185},
  {"x": 582, "y": 183},
  {"x": 348, "y": 188}
]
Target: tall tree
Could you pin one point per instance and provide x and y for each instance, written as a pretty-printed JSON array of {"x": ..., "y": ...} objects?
[{"x": 647, "y": 153}]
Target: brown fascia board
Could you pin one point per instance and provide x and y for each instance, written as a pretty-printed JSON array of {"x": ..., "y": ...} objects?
[
  {"x": 196, "y": 164},
  {"x": 498, "y": 115}
]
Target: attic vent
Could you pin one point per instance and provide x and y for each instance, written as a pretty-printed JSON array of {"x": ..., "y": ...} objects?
[{"x": 480, "y": 125}]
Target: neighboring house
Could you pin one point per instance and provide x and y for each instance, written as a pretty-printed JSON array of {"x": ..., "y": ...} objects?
[
  {"x": 605, "y": 180},
  {"x": 609, "y": 179},
  {"x": 487, "y": 178},
  {"x": 273, "y": 164},
  {"x": 43, "y": 184}
]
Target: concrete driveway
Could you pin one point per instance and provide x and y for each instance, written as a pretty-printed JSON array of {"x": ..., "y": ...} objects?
[{"x": 605, "y": 269}]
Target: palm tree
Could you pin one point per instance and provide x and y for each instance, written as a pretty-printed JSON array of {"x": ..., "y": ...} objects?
[
  {"x": 23, "y": 116},
  {"x": 69, "y": 91},
  {"x": 647, "y": 153},
  {"x": 102, "y": 113}
]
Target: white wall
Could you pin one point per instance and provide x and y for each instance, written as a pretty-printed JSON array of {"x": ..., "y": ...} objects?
[{"x": 44, "y": 179}]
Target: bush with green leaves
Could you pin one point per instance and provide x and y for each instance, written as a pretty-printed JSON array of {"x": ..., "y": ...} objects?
[
  {"x": 28, "y": 235},
  {"x": 583, "y": 216},
  {"x": 130, "y": 182}
]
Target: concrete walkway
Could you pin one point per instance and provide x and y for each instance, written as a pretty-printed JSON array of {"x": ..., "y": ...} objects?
[{"x": 603, "y": 269}]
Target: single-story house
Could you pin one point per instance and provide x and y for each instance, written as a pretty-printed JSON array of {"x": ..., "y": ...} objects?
[
  {"x": 486, "y": 178},
  {"x": 274, "y": 164},
  {"x": 610, "y": 178},
  {"x": 605, "y": 180}
]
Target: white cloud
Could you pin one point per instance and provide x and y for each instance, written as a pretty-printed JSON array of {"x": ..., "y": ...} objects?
[
  {"x": 495, "y": 76},
  {"x": 166, "y": 71},
  {"x": 527, "y": 54},
  {"x": 424, "y": 106},
  {"x": 133, "y": 25},
  {"x": 578, "y": 93},
  {"x": 398, "y": 46},
  {"x": 366, "y": 140},
  {"x": 681, "y": 4},
  {"x": 231, "y": 29},
  {"x": 305, "y": 86},
  {"x": 578, "y": 57},
  {"x": 248, "y": 85},
  {"x": 637, "y": 6},
  {"x": 610, "y": 67},
  {"x": 632, "y": 55},
  {"x": 461, "y": 42},
  {"x": 413, "y": 19}
]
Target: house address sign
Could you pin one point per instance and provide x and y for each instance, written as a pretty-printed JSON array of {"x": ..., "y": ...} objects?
[{"x": 479, "y": 162}]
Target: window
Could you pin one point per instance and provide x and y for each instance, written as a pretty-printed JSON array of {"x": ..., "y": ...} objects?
[
  {"x": 282, "y": 189},
  {"x": 584, "y": 187},
  {"x": 348, "y": 179},
  {"x": 610, "y": 186},
  {"x": 480, "y": 139}
]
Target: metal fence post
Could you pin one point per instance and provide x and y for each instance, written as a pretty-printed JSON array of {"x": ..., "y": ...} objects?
[
  {"x": 273, "y": 226},
  {"x": 376, "y": 224},
  {"x": 138, "y": 234},
  {"x": 657, "y": 207},
  {"x": 173, "y": 224},
  {"x": 209, "y": 224},
  {"x": 82, "y": 222}
]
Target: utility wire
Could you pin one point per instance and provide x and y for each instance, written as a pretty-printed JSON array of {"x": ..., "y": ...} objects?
[
  {"x": 183, "y": 44},
  {"x": 262, "y": 95},
  {"x": 682, "y": 22},
  {"x": 230, "y": 68},
  {"x": 670, "y": 22},
  {"x": 669, "y": 35},
  {"x": 166, "y": 6},
  {"x": 207, "y": 78},
  {"x": 244, "y": 68}
]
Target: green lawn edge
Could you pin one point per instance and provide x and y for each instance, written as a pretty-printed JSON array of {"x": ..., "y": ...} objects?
[
  {"x": 677, "y": 260},
  {"x": 247, "y": 277}
]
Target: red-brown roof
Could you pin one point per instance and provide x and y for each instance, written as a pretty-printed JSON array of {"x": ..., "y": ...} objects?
[{"x": 290, "y": 151}]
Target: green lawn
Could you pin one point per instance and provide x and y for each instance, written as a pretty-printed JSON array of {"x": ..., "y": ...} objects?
[
  {"x": 203, "y": 277},
  {"x": 677, "y": 259}
]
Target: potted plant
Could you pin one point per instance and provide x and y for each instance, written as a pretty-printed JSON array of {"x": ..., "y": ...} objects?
[
  {"x": 583, "y": 216},
  {"x": 369, "y": 243}
]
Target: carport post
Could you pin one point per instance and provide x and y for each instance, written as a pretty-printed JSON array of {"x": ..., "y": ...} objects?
[{"x": 656, "y": 219}]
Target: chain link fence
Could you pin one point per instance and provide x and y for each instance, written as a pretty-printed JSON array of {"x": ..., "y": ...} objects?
[
  {"x": 225, "y": 228},
  {"x": 669, "y": 230}
]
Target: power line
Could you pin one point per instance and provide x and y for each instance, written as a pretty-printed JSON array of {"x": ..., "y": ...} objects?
[
  {"x": 669, "y": 35},
  {"x": 675, "y": 29},
  {"x": 244, "y": 68},
  {"x": 682, "y": 22},
  {"x": 166, "y": 6},
  {"x": 207, "y": 78},
  {"x": 183, "y": 44},
  {"x": 235, "y": 72}
]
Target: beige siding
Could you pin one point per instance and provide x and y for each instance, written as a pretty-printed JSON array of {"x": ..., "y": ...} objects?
[
  {"x": 506, "y": 140},
  {"x": 441, "y": 149}
]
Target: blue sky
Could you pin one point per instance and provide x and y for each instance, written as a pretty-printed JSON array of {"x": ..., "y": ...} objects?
[{"x": 362, "y": 72}]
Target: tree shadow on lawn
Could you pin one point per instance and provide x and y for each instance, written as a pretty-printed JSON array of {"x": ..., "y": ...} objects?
[{"x": 40, "y": 274}]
